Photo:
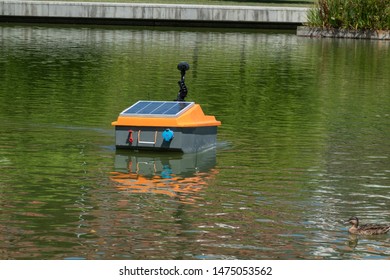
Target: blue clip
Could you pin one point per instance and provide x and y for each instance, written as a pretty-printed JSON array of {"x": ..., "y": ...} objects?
[{"x": 167, "y": 135}]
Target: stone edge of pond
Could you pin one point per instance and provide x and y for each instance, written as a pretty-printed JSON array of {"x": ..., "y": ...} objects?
[
  {"x": 152, "y": 14},
  {"x": 305, "y": 31}
]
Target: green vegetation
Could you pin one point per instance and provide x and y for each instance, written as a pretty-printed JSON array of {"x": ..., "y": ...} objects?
[{"x": 351, "y": 14}]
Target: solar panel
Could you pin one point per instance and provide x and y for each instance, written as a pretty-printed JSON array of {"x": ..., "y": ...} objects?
[{"x": 157, "y": 108}]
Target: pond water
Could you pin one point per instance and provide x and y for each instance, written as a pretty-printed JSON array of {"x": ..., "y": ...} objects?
[{"x": 304, "y": 145}]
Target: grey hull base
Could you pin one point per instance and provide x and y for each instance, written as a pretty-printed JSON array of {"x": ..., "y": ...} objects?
[{"x": 186, "y": 140}]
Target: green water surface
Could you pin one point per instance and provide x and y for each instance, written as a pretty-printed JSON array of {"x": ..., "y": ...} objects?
[{"x": 304, "y": 144}]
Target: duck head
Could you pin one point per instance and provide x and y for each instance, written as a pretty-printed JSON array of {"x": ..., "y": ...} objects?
[{"x": 354, "y": 221}]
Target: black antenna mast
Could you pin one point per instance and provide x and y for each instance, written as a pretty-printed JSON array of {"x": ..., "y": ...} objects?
[{"x": 183, "y": 67}]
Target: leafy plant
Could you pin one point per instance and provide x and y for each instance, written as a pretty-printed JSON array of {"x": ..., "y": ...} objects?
[{"x": 351, "y": 14}]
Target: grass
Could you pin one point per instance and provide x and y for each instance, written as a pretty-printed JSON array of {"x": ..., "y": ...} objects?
[
  {"x": 207, "y": 2},
  {"x": 351, "y": 14}
]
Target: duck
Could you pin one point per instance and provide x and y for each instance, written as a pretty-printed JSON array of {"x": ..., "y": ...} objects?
[{"x": 368, "y": 229}]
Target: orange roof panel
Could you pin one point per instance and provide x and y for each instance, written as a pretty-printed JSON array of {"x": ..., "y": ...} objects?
[{"x": 192, "y": 117}]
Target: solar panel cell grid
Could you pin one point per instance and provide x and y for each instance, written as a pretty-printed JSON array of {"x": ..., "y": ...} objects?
[
  {"x": 157, "y": 108},
  {"x": 162, "y": 109},
  {"x": 149, "y": 108},
  {"x": 134, "y": 109}
]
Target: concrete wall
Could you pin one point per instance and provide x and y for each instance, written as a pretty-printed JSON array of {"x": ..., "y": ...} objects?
[
  {"x": 340, "y": 33},
  {"x": 152, "y": 12}
]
